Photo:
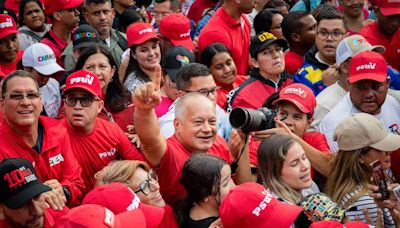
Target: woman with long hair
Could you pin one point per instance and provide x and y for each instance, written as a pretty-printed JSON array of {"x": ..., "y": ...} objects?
[
  {"x": 207, "y": 180},
  {"x": 285, "y": 169},
  {"x": 362, "y": 140},
  {"x": 118, "y": 105},
  {"x": 218, "y": 58}
]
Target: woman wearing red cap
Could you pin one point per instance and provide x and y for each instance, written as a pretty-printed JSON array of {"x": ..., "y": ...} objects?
[{"x": 145, "y": 55}]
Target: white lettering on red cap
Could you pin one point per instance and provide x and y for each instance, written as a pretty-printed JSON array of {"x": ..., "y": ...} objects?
[
  {"x": 88, "y": 79},
  {"x": 185, "y": 34},
  {"x": 369, "y": 66},
  {"x": 145, "y": 30},
  {"x": 297, "y": 91},
  {"x": 263, "y": 204},
  {"x": 8, "y": 23},
  {"x": 135, "y": 202},
  {"x": 109, "y": 218}
]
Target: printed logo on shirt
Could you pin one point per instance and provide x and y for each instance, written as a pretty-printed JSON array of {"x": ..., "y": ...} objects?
[
  {"x": 88, "y": 80},
  {"x": 110, "y": 153},
  {"x": 8, "y": 23},
  {"x": 263, "y": 204},
  {"x": 56, "y": 160},
  {"x": 46, "y": 57},
  {"x": 394, "y": 128},
  {"x": 296, "y": 91},
  {"x": 369, "y": 66}
]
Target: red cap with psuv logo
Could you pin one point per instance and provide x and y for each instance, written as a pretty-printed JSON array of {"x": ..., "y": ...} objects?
[
  {"x": 7, "y": 26},
  {"x": 84, "y": 80},
  {"x": 251, "y": 205},
  {"x": 389, "y": 7},
  {"x": 300, "y": 95},
  {"x": 120, "y": 198},
  {"x": 368, "y": 65},
  {"x": 176, "y": 27},
  {"x": 139, "y": 33}
]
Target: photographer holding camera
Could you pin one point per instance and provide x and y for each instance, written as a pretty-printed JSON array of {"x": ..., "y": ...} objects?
[{"x": 295, "y": 110}]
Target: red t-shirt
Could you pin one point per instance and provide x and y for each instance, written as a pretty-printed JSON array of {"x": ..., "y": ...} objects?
[
  {"x": 374, "y": 36},
  {"x": 56, "y": 159},
  {"x": 8, "y": 68},
  {"x": 394, "y": 52},
  {"x": 222, "y": 93},
  {"x": 197, "y": 8},
  {"x": 293, "y": 62},
  {"x": 235, "y": 35},
  {"x": 106, "y": 143},
  {"x": 170, "y": 169},
  {"x": 122, "y": 118}
]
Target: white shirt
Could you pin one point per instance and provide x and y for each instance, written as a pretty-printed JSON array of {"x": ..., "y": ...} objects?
[
  {"x": 389, "y": 116},
  {"x": 51, "y": 97}
]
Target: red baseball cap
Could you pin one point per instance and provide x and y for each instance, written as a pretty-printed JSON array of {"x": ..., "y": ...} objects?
[
  {"x": 120, "y": 198},
  {"x": 251, "y": 205},
  {"x": 139, "y": 33},
  {"x": 300, "y": 95},
  {"x": 52, "y": 6},
  {"x": 7, "y": 26},
  {"x": 389, "y": 7},
  {"x": 91, "y": 215},
  {"x": 84, "y": 80},
  {"x": 334, "y": 224},
  {"x": 368, "y": 65},
  {"x": 180, "y": 35}
]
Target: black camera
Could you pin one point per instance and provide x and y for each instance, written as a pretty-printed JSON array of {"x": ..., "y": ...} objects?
[{"x": 249, "y": 120}]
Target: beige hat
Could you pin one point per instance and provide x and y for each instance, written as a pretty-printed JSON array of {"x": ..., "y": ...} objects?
[{"x": 362, "y": 130}]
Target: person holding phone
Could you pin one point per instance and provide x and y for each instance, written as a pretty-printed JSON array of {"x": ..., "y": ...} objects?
[{"x": 362, "y": 139}]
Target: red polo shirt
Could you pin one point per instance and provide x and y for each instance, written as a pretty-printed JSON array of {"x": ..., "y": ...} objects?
[
  {"x": 374, "y": 36},
  {"x": 234, "y": 34}
]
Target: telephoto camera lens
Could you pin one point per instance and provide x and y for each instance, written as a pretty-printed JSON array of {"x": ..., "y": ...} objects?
[{"x": 249, "y": 120}]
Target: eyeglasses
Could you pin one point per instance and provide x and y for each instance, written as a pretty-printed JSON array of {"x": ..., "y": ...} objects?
[
  {"x": 205, "y": 92},
  {"x": 85, "y": 101},
  {"x": 336, "y": 35},
  {"x": 159, "y": 15},
  {"x": 145, "y": 186},
  {"x": 20, "y": 96}
]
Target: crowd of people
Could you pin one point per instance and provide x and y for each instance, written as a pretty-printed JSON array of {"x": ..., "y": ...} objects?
[{"x": 199, "y": 113}]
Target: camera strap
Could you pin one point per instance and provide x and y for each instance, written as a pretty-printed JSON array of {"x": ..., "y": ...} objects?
[{"x": 234, "y": 165}]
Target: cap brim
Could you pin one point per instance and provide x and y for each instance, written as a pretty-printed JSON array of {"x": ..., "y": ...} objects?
[
  {"x": 134, "y": 218},
  {"x": 368, "y": 76},
  {"x": 378, "y": 48},
  {"x": 84, "y": 45},
  {"x": 18, "y": 200},
  {"x": 301, "y": 107},
  {"x": 389, "y": 11},
  {"x": 11, "y": 32},
  {"x": 390, "y": 143},
  {"x": 186, "y": 43},
  {"x": 145, "y": 39},
  {"x": 172, "y": 74},
  {"x": 281, "y": 42},
  {"x": 49, "y": 69},
  {"x": 154, "y": 215}
]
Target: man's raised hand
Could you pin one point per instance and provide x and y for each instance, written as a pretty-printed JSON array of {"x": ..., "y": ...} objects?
[{"x": 147, "y": 96}]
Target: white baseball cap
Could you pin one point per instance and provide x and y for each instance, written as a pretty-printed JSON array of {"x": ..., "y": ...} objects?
[{"x": 41, "y": 58}]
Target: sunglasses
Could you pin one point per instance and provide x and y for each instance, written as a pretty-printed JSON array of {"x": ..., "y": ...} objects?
[{"x": 85, "y": 101}]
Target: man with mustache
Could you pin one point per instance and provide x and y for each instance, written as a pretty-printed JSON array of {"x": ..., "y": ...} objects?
[
  {"x": 21, "y": 197},
  {"x": 318, "y": 70},
  {"x": 9, "y": 44},
  {"x": 368, "y": 84}
]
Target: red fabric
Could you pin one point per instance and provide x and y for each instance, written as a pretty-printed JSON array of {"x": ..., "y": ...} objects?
[
  {"x": 170, "y": 169},
  {"x": 163, "y": 107},
  {"x": 293, "y": 62},
  {"x": 222, "y": 28},
  {"x": 122, "y": 118},
  {"x": 197, "y": 8},
  {"x": 222, "y": 93},
  {"x": 394, "y": 52},
  {"x": 13, "y": 5},
  {"x": 55, "y": 145},
  {"x": 57, "y": 48},
  {"x": 395, "y": 167},
  {"x": 8, "y": 68},
  {"x": 254, "y": 94},
  {"x": 374, "y": 36},
  {"x": 94, "y": 151},
  {"x": 168, "y": 220}
]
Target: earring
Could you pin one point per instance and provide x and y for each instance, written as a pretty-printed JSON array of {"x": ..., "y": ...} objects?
[{"x": 361, "y": 161}]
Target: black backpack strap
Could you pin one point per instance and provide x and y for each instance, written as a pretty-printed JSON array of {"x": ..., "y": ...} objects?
[
  {"x": 122, "y": 43},
  {"x": 31, "y": 34}
]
